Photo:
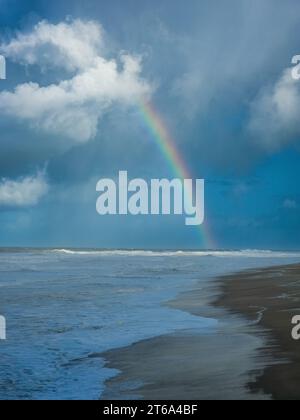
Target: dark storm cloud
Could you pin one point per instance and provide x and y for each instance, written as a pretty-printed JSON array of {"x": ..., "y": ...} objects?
[{"x": 210, "y": 63}]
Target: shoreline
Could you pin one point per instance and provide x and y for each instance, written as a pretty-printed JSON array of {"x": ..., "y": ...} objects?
[
  {"x": 274, "y": 295},
  {"x": 251, "y": 355}
]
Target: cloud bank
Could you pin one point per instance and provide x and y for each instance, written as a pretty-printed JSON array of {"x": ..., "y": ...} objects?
[
  {"x": 24, "y": 192},
  {"x": 72, "y": 107}
]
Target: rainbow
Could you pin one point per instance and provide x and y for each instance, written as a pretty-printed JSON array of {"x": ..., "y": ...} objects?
[{"x": 167, "y": 146}]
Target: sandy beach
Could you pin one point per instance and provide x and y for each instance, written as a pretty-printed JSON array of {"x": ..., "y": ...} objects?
[
  {"x": 250, "y": 355},
  {"x": 274, "y": 294}
]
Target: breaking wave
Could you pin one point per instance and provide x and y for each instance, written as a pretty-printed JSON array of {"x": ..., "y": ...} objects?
[{"x": 248, "y": 253}]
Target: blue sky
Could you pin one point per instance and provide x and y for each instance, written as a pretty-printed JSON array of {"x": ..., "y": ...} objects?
[{"x": 219, "y": 75}]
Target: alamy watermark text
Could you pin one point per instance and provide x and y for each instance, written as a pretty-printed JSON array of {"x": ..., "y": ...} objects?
[
  {"x": 158, "y": 197},
  {"x": 296, "y": 328},
  {"x": 2, "y": 68},
  {"x": 2, "y": 328}
]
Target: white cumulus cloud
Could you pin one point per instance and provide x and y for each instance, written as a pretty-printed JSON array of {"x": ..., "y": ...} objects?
[
  {"x": 72, "y": 107},
  {"x": 23, "y": 192},
  {"x": 275, "y": 113},
  {"x": 71, "y": 45}
]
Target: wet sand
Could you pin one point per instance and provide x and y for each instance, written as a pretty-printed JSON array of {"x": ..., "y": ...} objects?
[
  {"x": 250, "y": 355},
  {"x": 274, "y": 295}
]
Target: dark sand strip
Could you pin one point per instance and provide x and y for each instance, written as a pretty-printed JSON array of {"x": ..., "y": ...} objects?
[
  {"x": 275, "y": 294},
  {"x": 251, "y": 354}
]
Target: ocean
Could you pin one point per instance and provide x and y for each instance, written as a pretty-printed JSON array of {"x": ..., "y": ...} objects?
[{"x": 63, "y": 308}]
